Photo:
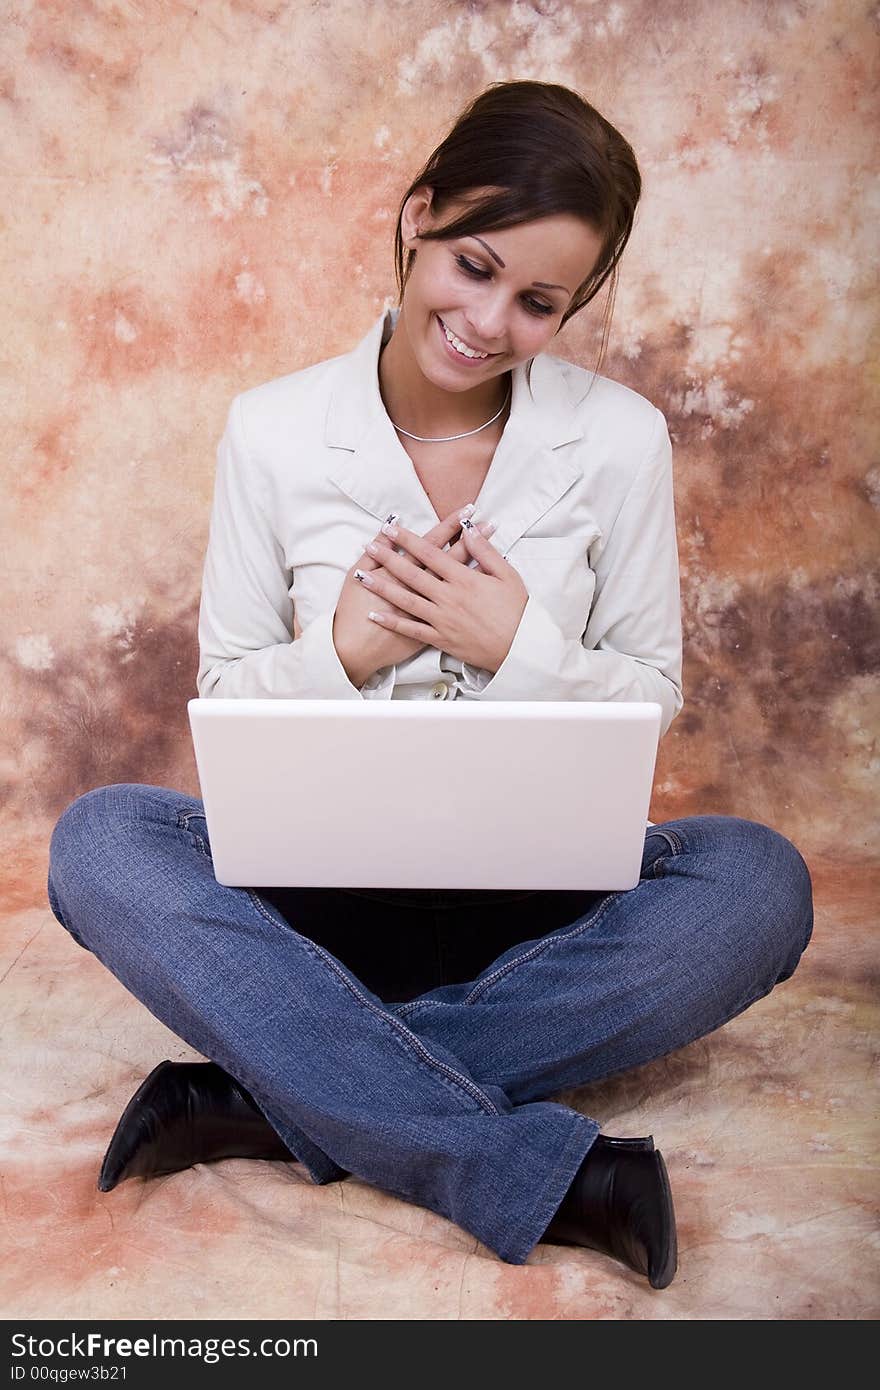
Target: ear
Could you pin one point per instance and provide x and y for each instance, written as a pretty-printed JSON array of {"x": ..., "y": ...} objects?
[{"x": 416, "y": 213}]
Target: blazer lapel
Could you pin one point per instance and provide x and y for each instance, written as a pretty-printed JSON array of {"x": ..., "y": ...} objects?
[{"x": 530, "y": 469}]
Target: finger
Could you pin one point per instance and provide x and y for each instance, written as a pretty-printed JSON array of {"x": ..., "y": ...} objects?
[
  {"x": 459, "y": 550},
  {"x": 365, "y": 560},
  {"x": 406, "y": 625},
  {"x": 439, "y": 535},
  {"x": 436, "y": 562},
  {"x": 408, "y": 599},
  {"x": 404, "y": 570},
  {"x": 449, "y": 526},
  {"x": 490, "y": 560}
]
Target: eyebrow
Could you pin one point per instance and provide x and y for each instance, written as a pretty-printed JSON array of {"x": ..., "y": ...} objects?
[{"x": 539, "y": 284}]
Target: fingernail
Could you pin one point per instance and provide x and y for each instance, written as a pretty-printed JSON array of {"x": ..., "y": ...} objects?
[
  {"x": 363, "y": 578},
  {"x": 466, "y": 522},
  {"x": 487, "y": 527},
  {"x": 392, "y": 516},
  {"x": 389, "y": 529},
  {"x": 468, "y": 510}
]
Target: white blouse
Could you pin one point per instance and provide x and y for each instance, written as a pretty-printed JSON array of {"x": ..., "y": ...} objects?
[{"x": 580, "y": 488}]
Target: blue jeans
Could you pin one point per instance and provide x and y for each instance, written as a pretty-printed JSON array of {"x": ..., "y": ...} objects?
[{"x": 414, "y": 1038}]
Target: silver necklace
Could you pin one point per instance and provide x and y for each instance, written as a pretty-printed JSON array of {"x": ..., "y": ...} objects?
[{"x": 444, "y": 439}]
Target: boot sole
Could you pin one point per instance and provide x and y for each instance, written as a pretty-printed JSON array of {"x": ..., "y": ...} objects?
[{"x": 664, "y": 1276}]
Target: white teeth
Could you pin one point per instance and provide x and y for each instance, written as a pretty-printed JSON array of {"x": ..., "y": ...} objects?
[{"x": 459, "y": 345}]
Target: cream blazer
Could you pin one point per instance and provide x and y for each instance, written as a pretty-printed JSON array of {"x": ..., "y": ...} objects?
[{"x": 580, "y": 488}]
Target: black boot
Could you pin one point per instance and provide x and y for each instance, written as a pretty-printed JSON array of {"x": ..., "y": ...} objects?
[
  {"x": 620, "y": 1203},
  {"x": 186, "y": 1113}
]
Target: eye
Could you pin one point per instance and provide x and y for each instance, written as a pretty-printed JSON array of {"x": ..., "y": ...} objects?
[{"x": 536, "y": 306}]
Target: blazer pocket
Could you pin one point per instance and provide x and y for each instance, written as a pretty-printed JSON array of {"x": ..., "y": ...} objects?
[{"x": 556, "y": 570}]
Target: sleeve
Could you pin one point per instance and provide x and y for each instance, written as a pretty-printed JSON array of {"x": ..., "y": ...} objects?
[
  {"x": 246, "y": 616},
  {"x": 631, "y": 648}
]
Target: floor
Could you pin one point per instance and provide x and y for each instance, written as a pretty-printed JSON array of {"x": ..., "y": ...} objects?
[{"x": 768, "y": 1127}]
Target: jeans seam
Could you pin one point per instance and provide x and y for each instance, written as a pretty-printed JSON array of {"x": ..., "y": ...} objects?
[
  {"x": 544, "y": 944},
  {"x": 513, "y": 1241},
  {"x": 452, "y": 1078},
  {"x": 183, "y": 823},
  {"x": 671, "y": 839}
]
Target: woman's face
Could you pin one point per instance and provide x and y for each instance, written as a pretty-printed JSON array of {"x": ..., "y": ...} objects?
[{"x": 482, "y": 289}]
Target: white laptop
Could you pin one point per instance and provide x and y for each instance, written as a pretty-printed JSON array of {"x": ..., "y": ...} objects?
[{"x": 519, "y": 794}]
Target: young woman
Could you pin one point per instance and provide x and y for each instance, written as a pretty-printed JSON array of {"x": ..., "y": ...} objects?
[{"x": 416, "y": 1039}]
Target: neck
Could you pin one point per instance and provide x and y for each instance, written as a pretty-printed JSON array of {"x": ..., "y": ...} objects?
[{"x": 420, "y": 406}]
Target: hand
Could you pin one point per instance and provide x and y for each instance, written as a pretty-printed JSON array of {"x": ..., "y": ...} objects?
[
  {"x": 364, "y": 646},
  {"x": 471, "y": 614}
]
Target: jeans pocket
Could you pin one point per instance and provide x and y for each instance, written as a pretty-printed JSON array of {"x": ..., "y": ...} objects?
[
  {"x": 654, "y": 856},
  {"x": 199, "y": 836}
]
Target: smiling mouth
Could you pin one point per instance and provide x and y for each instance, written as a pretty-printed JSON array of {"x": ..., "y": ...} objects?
[{"x": 480, "y": 358}]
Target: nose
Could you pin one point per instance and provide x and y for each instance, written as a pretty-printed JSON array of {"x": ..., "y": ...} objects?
[{"x": 485, "y": 327}]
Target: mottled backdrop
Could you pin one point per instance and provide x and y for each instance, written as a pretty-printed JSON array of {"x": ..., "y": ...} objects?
[{"x": 200, "y": 198}]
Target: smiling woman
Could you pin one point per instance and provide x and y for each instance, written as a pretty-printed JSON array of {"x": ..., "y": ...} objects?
[
  {"x": 519, "y": 154},
  {"x": 491, "y": 305},
  {"x": 420, "y": 1044}
]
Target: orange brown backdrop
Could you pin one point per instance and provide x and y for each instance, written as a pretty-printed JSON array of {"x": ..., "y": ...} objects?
[{"x": 201, "y": 198}]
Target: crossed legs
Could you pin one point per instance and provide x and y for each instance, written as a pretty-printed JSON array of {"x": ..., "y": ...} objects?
[{"x": 442, "y": 1099}]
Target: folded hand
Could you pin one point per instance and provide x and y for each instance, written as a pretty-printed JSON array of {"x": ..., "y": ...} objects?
[{"x": 472, "y": 614}]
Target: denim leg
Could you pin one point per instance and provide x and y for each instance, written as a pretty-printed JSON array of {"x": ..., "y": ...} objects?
[
  {"x": 722, "y": 913},
  {"x": 344, "y": 1081}
]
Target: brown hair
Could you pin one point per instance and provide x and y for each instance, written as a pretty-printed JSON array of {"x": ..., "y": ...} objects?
[{"x": 546, "y": 151}]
